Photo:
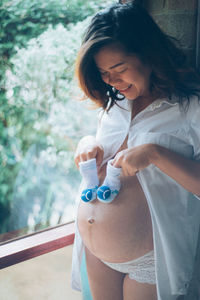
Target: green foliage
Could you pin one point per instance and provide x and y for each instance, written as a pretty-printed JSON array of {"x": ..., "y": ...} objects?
[
  {"x": 38, "y": 127},
  {"x": 25, "y": 19}
]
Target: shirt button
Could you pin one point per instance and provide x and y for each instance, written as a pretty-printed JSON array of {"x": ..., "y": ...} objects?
[{"x": 186, "y": 285}]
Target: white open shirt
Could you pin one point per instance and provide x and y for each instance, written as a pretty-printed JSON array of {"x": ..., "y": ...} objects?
[{"x": 175, "y": 212}]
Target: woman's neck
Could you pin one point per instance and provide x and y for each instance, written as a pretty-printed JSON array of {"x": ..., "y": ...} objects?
[{"x": 141, "y": 103}]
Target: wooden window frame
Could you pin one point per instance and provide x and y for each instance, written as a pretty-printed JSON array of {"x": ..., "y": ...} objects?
[
  {"x": 198, "y": 38},
  {"x": 35, "y": 244}
]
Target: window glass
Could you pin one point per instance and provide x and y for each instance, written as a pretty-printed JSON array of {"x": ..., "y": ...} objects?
[{"x": 41, "y": 117}]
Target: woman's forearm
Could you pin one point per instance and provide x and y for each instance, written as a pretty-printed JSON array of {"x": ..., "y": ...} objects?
[{"x": 183, "y": 170}]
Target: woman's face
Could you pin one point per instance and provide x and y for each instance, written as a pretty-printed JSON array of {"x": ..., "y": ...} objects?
[{"x": 124, "y": 72}]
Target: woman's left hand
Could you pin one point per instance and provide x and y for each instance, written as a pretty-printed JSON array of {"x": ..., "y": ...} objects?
[{"x": 134, "y": 159}]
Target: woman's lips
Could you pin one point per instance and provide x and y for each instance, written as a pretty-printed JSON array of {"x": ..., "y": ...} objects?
[{"x": 126, "y": 90}]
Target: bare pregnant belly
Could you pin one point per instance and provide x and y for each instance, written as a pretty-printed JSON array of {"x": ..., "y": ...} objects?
[{"x": 119, "y": 231}]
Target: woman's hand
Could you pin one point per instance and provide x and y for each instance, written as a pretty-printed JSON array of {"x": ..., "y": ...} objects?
[
  {"x": 134, "y": 159},
  {"x": 183, "y": 170},
  {"x": 88, "y": 148}
]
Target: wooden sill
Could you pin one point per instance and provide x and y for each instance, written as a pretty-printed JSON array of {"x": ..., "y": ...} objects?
[{"x": 30, "y": 246}]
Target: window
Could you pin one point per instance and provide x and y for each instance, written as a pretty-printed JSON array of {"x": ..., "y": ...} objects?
[{"x": 41, "y": 119}]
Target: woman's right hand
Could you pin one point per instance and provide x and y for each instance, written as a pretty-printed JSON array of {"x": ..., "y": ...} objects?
[{"x": 88, "y": 148}]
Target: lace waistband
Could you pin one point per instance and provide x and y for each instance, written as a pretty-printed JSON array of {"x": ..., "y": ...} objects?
[{"x": 141, "y": 269}]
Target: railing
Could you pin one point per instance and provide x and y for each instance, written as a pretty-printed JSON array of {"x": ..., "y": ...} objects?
[{"x": 26, "y": 247}]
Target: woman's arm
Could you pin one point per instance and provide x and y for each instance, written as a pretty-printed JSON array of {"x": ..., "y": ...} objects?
[{"x": 183, "y": 170}]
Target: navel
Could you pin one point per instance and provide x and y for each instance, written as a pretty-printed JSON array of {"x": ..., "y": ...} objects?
[{"x": 90, "y": 220}]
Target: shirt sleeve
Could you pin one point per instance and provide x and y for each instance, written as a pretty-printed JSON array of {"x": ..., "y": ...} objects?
[{"x": 193, "y": 116}]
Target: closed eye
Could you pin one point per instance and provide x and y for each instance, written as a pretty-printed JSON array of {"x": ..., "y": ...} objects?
[
  {"x": 119, "y": 72},
  {"x": 103, "y": 73},
  {"x": 122, "y": 71}
]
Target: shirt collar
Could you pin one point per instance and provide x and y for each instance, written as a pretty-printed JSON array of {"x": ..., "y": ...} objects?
[
  {"x": 154, "y": 105},
  {"x": 159, "y": 102}
]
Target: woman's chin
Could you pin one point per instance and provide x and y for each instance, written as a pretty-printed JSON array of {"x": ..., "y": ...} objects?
[{"x": 130, "y": 97}]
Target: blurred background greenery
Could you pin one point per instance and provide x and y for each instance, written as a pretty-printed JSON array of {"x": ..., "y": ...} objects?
[{"x": 41, "y": 119}]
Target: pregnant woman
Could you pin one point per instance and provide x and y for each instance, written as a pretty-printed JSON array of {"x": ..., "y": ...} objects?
[{"x": 142, "y": 243}]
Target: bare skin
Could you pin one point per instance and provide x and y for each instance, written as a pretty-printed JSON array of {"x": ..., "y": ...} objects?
[
  {"x": 124, "y": 224},
  {"x": 119, "y": 232}
]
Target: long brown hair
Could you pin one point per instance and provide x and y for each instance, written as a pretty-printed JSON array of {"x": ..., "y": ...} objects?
[{"x": 132, "y": 27}]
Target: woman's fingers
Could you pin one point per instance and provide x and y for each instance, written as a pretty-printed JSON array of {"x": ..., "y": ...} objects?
[
  {"x": 117, "y": 161},
  {"x": 88, "y": 149},
  {"x": 83, "y": 157},
  {"x": 122, "y": 160},
  {"x": 99, "y": 156}
]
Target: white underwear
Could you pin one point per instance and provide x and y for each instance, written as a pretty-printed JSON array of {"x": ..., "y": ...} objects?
[{"x": 141, "y": 269}]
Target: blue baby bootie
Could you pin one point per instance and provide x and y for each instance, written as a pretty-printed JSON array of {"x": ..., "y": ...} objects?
[
  {"x": 88, "y": 195},
  {"x": 104, "y": 194}
]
